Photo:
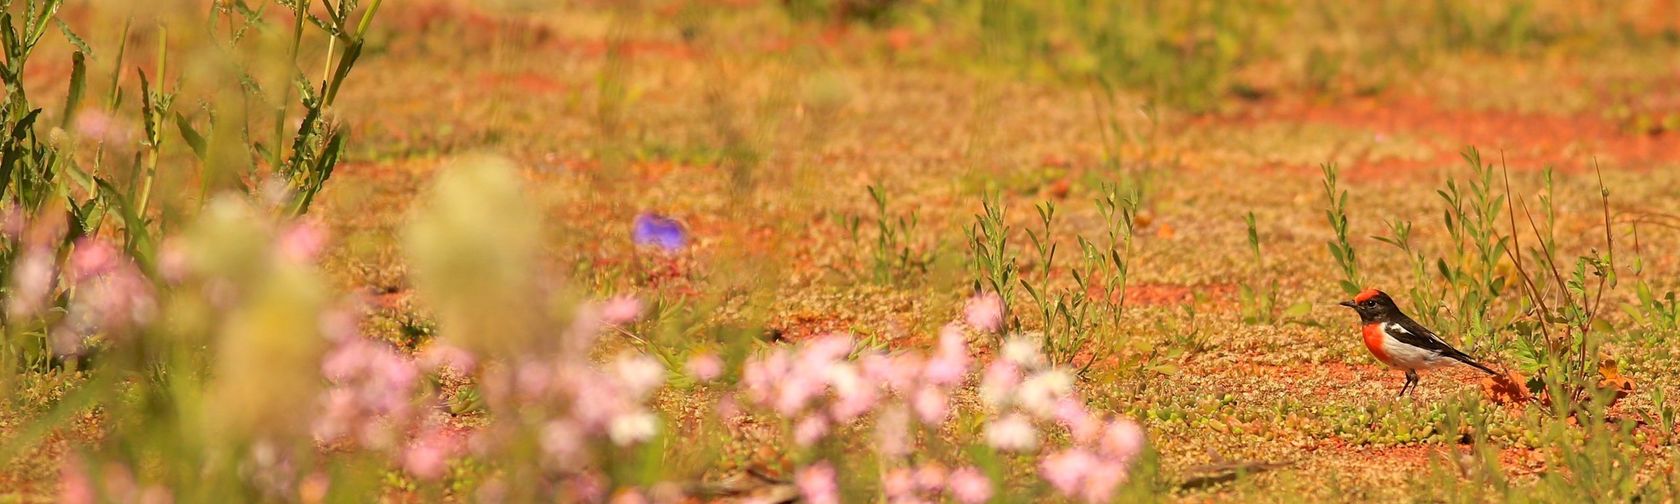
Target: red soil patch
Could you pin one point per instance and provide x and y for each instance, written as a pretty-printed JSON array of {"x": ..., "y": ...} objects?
[
  {"x": 1158, "y": 294},
  {"x": 1529, "y": 140}
]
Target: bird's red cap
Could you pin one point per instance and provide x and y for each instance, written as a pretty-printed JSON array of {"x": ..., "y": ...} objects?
[{"x": 1366, "y": 294}]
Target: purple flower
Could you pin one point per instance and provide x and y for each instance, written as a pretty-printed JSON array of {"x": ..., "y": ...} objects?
[{"x": 660, "y": 231}]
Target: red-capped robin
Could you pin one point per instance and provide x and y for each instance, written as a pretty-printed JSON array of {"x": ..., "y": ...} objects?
[{"x": 1397, "y": 340}]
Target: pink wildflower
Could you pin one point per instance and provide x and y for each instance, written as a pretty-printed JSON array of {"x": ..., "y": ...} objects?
[
  {"x": 892, "y": 432},
  {"x": 101, "y": 127},
  {"x": 563, "y": 441},
  {"x": 74, "y": 486},
  {"x": 1072, "y": 414},
  {"x": 898, "y": 484},
  {"x": 968, "y": 486},
  {"x": 93, "y": 257},
  {"x": 32, "y": 282},
  {"x": 998, "y": 383},
  {"x": 930, "y": 477},
  {"x": 427, "y": 456},
  {"x": 1066, "y": 469},
  {"x": 621, "y": 310},
  {"x": 440, "y": 356},
  {"x": 633, "y": 428},
  {"x": 639, "y": 374},
  {"x": 1022, "y": 351},
  {"x": 705, "y": 367},
  {"x": 950, "y": 363},
  {"x": 809, "y": 430},
  {"x": 984, "y": 312},
  {"x": 931, "y": 405},
  {"x": 816, "y": 483},
  {"x": 302, "y": 242},
  {"x": 1101, "y": 480},
  {"x": 1012, "y": 433},
  {"x": 1122, "y": 440}
]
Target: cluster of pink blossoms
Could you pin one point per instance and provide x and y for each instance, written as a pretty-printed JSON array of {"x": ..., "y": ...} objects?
[
  {"x": 816, "y": 385},
  {"x": 930, "y": 481},
  {"x": 371, "y": 397},
  {"x": 819, "y": 386},
  {"x": 1023, "y": 392},
  {"x": 109, "y": 294}
]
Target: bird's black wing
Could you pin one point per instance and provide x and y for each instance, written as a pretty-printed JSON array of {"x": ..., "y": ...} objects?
[{"x": 1415, "y": 334}]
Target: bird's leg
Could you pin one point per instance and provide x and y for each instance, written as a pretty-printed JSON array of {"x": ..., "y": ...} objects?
[
  {"x": 1404, "y": 386},
  {"x": 1411, "y": 380}
]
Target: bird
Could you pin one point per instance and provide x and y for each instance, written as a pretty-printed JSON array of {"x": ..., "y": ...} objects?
[{"x": 1400, "y": 342}]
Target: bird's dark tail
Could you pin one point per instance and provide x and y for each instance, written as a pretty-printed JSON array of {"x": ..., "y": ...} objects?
[{"x": 1472, "y": 363}]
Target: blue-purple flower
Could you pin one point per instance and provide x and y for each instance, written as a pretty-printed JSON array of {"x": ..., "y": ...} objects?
[{"x": 660, "y": 231}]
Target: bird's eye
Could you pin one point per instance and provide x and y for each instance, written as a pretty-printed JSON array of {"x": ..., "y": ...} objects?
[{"x": 1369, "y": 303}]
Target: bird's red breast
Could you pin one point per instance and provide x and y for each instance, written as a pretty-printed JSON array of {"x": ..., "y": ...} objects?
[{"x": 1374, "y": 337}]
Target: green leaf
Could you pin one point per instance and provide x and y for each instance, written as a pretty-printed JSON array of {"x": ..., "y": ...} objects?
[
  {"x": 78, "y": 84},
  {"x": 1349, "y": 287},
  {"x": 190, "y": 135},
  {"x": 1298, "y": 310}
]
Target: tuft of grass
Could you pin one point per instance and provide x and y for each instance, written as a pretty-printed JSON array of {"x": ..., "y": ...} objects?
[{"x": 1341, "y": 249}]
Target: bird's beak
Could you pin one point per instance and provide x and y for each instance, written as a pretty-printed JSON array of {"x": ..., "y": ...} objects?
[{"x": 1348, "y": 304}]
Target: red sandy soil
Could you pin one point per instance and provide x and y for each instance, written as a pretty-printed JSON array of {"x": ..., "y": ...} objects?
[{"x": 1528, "y": 140}]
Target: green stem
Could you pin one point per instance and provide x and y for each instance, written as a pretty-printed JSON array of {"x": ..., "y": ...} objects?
[{"x": 157, "y": 137}]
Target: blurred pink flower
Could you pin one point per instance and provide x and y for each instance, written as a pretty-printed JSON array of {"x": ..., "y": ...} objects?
[
  {"x": 173, "y": 263},
  {"x": 816, "y": 483},
  {"x": 998, "y": 383},
  {"x": 950, "y": 362},
  {"x": 984, "y": 312},
  {"x": 371, "y": 395},
  {"x": 1066, "y": 469},
  {"x": 930, "y": 477},
  {"x": 705, "y": 367},
  {"x": 427, "y": 455},
  {"x": 532, "y": 380},
  {"x": 621, "y": 310},
  {"x": 633, "y": 428},
  {"x": 931, "y": 405},
  {"x": 302, "y": 241},
  {"x": 1123, "y": 440},
  {"x": 32, "y": 282},
  {"x": 1101, "y": 480},
  {"x": 969, "y": 486},
  {"x": 99, "y": 126},
  {"x": 1022, "y": 351},
  {"x": 828, "y": 348},
  {"x": 440, "y": 356},
  {"x": 853, "y": 396},
  {"x": 563, "y": 441},
  {"x": 74, "y": 486},
  {"x": 1012, "y": 433},
  {"x": 898, "y": 484},
  {"x": 892, "y": 432},
  {"x": 1040, "y": 392},
  {"x": 1071, "y": 413},
  {"x": 639, "y": 374},
  {"x": 809, "y": 430},
  {"x": 93, "y": 257}
]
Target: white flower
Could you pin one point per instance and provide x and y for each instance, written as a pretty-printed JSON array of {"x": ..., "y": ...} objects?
[
  {"x": 1012, "y": 433},
  {"x": 1021, "y": 350},
  {"x": 633, "y": 428},
  {"x": 1039, "y": 393},
  {"x": 639, "y": 374}
]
